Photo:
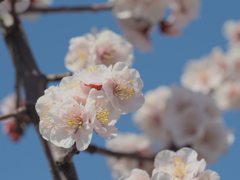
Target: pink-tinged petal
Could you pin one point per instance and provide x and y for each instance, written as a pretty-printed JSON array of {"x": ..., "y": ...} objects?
[
  {"x": 45, "y": 129},
  {"x": 61, "y": 138},
  {"x": 84, "y": 139},
  {"x": 107, "y": 132},
  {"x": 187, "y": 155},
  {"x": 209, "y": 175},
  {"x": 120, "y": 66},
  {"x": 136, "y": 174},
  {"x": 161, "y": 176},
  {"x": 163, "y": 158}
]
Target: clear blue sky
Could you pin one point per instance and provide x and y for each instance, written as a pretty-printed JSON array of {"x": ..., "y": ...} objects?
[{"x": 49, "y": 36}]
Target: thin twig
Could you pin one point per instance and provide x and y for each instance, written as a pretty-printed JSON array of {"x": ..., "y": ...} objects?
[
  {"x": 19, "y": 111},
  {"x": 94, "y": 149},
  {"x": 97, "y": 7},
  {"x": 17, "y": 90},
  {"x": 57, "y": 77}
]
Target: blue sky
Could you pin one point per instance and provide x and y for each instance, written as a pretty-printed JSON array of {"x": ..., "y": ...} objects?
[{"x": 49, "y": 36}]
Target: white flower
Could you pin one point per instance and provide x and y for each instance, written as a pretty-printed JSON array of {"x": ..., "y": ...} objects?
[
  {"x": 137, "y": 32},
  {"x": 43, "y": 106},
  {"x": 182, "y": 164},
  {"x": 149, "y": 117},
  {"x": 186, "y": 126},
  {"x": 126, "y": 143},
  {"x": 203, "y": 75},
  {"x": 150, "y": 10},
  {"x": 137, "y": 18},
  {"x": 228, "y": 95},
  {"x": 111, "y": 48},
  {"x": 93, "y": 77},
  {"x": 215, "y": 136},
  {"x": 124, "y": 89},
  {"x": 8, "y": 104},
  {"x": 104, "y": 115},
  {"x": 183, "y": 98},
  {"x": 64, "y": 115},
  {"x": 105, "y": 47},
  {"x": 232, "y": 31},
  {"x": 10, "y": 126},
  {"x": 71, "y": 124},
  {"x": 186, "y": 115},
  {"x": 5, "y": 8},
  {"x": 183, "y": 11},
  {"x": 80, "y": 53},
  {"x": 136, "y": 174}
]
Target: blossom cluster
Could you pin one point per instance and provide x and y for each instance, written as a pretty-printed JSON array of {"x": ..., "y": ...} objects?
[
  {"x": 138, "y": 17},
  {"x": 9, "y": 105},
  {"x": 105, "y": 47},
  {"x": 170, "y": 165},
  {"x": 218, "y": 73},
  {"x": 91, "y": 99},
  {"x": 126, "y": 143},
  {"x": 178, "y": 117},
  {"x": 20, "y": 6}
]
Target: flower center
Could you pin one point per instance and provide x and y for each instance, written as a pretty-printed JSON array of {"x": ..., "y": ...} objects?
[
  {"x": 91, "y": 69},
  {"x": 71, "y": 123},
  {"x": 107, "y": 57},
  {"x": 124, "y": 90},
  {"x": 179, "y": 168},
  {"x": 102, "y": 115}
]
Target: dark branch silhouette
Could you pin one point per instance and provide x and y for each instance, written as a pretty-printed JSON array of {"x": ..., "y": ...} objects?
[
  {"x": 56, "y": 77},
  {"x": 19, "y": 111},
  {"x": 97, "y": 7},
  {"x": 94, "y": 149}
]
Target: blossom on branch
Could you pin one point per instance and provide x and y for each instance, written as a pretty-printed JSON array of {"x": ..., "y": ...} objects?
[
  {"x": 124, "y": 89},
  {"x": 10, "y": 125},
  {"x": 90, "y": 100},
  {"x": 126, "y": 143},
  {"x": 137, "y": 18},
  {"x": 182, "y": 164},
  {"x": 207, "y": 74},
  {"x": 228, "y": 95},
  {"x": 150, "y": 117},
  {"x": 182, "y": 12},
  {"x": 104, "y": 47},
  {"x": 170, "y": 165},
  {"x": 178, "y": 117}
]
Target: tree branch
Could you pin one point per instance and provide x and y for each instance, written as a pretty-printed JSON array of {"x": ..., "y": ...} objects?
[
  {"x": 34, "y": 85},
  {"x": 57, "y": 77},
  {"x": 19, "y": 111},
  {"x": 94, "y": 149},
  {"x": 97, "y": 7}
]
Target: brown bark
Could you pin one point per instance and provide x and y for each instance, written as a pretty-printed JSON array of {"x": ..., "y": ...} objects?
[{"x": 34, "y": 84}]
